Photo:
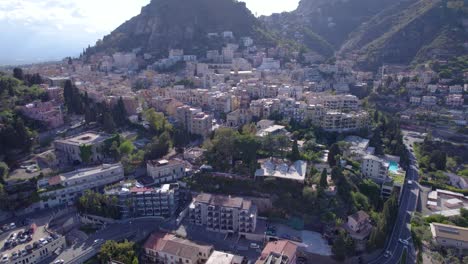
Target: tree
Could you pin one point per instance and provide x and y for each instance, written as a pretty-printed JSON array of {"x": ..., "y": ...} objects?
[
  {"x": 439, "y": 159},
  {"x": 18, "y": 74},
  {"x": 323, "y": 179},
  {"x": 295, "y": 154},
  {"x": 126, "y": 148},
  {"x": 158, "y": 147},
  {"x": 157, "y": 121},
  {"x": 86, "y": 152},
  {"x": 333, "y": 152},
  {"x": 119, "y": 113},
  {"x": 123, "y": 252},
  {"x": 68, "y": 93},
  {"x": 221, "y": 149},
  {"x": 339, "y": 248},
  {"x": 109, "y": 125},
  {"x": 3, "y": 171}
]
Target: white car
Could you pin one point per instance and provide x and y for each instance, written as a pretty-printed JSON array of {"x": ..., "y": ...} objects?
[
  {"x": 404, "y": 242},
  {"x": 98, "y": 241},
  {"x": 59, "y": 261},
  {"x": 388, "y": 254},
  {"x": 4, "y": 259},
  {"x": 254, "y": 246}
]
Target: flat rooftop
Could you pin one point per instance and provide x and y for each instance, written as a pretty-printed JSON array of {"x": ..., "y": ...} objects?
[
  {"x": 83, "y": 173},
  {"x": 87, "y": 138}
]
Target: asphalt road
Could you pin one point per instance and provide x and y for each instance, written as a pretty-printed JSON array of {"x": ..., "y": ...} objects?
[
  {"x": 402, "y": 230},
  {"x": 136, "y": 229}
]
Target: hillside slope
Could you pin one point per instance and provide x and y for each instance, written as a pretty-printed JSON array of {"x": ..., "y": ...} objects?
[
  {"x": 408, "y": 32},
  {"x": 165, "y": 24}
]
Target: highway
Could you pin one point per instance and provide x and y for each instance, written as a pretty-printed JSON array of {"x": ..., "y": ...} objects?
[{"x": 401, "y": 229}]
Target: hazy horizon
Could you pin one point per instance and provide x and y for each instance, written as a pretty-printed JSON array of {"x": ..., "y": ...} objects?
[{"x": 48, "y": 30}]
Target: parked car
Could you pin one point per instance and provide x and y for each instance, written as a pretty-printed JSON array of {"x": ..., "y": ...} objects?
[
  {"x": 254, "y": 245},
  {"x": 59, "y": 261},
  {"x": 4, "y": 259}
]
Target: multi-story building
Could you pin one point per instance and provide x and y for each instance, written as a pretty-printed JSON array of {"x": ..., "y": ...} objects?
[
  {"x": 137, "y": 201},
  {"x": 219, "y": 257},
  {"x": 48, "y": 113},
  {"x": 69, "y": 150},
  {"x": 450, "y": 235},
  {"x": 64, "y": 188},
  {"x": 169, "y": 249},
  {"x": 454, "y": 100},
  {"x": 202, "y": 125},
  {"x": 341, "y": 122},
  {"x": 194, "y": 120},
  {"x": 163, "y": 171},
  {"x": 375, "y": 168},
  {"x": 429, "y": 100},
  {"x": 239, "y": 117},
  {"x": 281, "y": 251},
  {"x": 223, "y": 214}
]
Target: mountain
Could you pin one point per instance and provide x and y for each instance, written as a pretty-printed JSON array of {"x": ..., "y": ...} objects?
[
  {"x": 374, "y": 32},
  {"x": 184, "y": 24},
  {"x": 409, "y": 32}
]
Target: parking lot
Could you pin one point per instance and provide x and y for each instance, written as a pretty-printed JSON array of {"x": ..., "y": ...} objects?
[{"x": 21, "y": 240}]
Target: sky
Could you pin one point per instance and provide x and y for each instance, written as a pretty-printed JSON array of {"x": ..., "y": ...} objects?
[{"x": 41, "y": 30}]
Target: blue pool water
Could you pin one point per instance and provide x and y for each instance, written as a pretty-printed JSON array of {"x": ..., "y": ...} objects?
[{"x": 393, "y": 167}]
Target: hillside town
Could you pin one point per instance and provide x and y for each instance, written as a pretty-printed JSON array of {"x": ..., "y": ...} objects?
[{"x": 244, "y": 155}]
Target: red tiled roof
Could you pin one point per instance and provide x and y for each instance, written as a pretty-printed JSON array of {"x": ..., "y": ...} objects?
[{"x": 280, "y": 247}]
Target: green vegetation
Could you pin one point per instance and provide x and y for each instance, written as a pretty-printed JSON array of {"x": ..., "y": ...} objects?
[
  {"x": 81, "y": 104},
  {"x": 16, "y": 133},
  {"x": 436, "y": 158},
  {"x": 98, "y": 204},
  {"x": 124, "y": 252},
  {"x": 343, "y": 246},
  {"x": 385, "y": 223},
  {"x": 86, "y": 152}
]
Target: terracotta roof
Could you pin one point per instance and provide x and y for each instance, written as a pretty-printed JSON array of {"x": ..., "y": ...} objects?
[
  {"x": 55, "y": 180},
  {"x": 280, "y": 247},
  {"x": 172, "y": 245}
]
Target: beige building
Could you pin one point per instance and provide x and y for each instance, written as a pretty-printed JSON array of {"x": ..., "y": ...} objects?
[
  {"x": 194, "y": 120},
  {"x": 224, "y": 214},
  {"x": 169, "y": 249},
  {"x": 335, "y": 121},
  {"x": 450, "y": 236},
  {"x": 68, "y": 151},
  {"x": 163, "y": 171},
  {"x": 239, "y": 118}
]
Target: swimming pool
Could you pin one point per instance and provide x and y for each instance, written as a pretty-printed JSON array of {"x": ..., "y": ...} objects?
[{"x": 393, "y": 167}]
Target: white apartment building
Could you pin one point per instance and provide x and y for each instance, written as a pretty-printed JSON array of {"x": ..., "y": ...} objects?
[
  {"x": 429, "y": 100},
  {"x": 341, "y": 122},
  {"x": 224, "y": 214},
  {"x": 345, "y": 102},
  {"x": 163, "y": 171},
  {"x": 454, "y": 100},
  {"x": 65, "y": 188},
  {"x": 68, "y": 151},
  {"x": 375, "y": 168},
  {"x": 270, "y": 64}
]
